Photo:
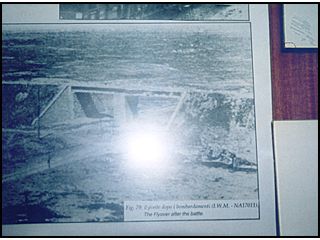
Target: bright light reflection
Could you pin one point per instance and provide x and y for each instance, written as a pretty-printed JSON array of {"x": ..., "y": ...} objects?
[{"x": 147, "y": 147}]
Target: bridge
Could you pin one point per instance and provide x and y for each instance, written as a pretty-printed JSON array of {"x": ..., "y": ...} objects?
[{"x": 61, "y": 107}]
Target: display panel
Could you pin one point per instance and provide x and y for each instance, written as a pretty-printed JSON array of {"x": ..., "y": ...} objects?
[{"x": 129, "y": 121}]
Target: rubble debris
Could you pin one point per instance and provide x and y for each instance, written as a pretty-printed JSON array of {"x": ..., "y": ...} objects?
[
  {"x": 21, "y": 96},
  {"x": 227, "y": 159}
]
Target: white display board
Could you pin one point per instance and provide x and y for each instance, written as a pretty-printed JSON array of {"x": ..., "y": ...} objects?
[
  {"x": 296, "y": 155},
  {"x": 203, "y": 77}
]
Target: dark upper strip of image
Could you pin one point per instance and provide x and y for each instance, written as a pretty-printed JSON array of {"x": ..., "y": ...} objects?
[{"x": 191, "y": 12}]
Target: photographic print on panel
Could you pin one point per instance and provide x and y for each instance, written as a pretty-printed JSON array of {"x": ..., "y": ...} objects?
[
  {"x": 158, "y": 11},
  {"x": 128, "y": 122}
]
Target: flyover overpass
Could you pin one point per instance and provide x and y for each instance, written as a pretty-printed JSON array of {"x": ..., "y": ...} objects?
[{"x": 125, "y": 100}]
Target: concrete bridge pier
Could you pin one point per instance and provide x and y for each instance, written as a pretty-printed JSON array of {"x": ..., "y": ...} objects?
[{"x": 125, "y": 108}]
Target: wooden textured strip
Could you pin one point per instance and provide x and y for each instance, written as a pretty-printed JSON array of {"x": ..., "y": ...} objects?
[{"x": 294, "y": 76}]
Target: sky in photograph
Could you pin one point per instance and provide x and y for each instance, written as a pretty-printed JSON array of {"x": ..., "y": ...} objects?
[{"x": 30, "y": 13}]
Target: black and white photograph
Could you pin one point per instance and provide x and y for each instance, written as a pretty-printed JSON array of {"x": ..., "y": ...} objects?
[
  {"x": 95, "y": 115},
  {"x": 157, "y": 11}
]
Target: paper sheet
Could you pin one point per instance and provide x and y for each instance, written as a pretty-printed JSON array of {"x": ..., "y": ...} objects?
[
  {"x": 138, "y": 125},
  {"x": 300, "y": 25},
  {"x": 296, "y": 155}
]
